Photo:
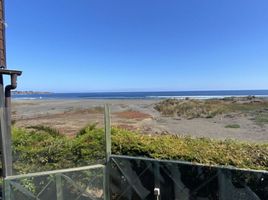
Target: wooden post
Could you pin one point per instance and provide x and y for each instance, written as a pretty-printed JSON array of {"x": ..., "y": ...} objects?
[{"x": 2, "y": 35}]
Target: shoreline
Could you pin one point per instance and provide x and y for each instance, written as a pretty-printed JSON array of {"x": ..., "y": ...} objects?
[
  {"x": 40, "y": 98},
  {"x": 144, "y": 95}
]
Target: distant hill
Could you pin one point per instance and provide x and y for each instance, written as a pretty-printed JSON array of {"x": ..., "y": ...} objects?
[{"x": 29, "y": 92}]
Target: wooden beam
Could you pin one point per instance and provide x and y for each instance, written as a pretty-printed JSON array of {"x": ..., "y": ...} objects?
[{"x": 2, "y": 35}]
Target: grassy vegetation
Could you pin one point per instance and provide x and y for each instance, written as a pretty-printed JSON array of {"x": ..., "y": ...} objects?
[
  {"x": 208, "y": 108},
  {"x": 41, "y": 149},
  {"x": 261, "y": 118},
  {"x": 232, "y": 126},
  {"x": 200, "y": 150},
  {"x": 38, "y": 150},
  {"x": 190, "y": 108}
]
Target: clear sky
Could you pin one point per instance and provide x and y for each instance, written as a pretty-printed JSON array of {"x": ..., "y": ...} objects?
[{"x": 138, "y": 45}]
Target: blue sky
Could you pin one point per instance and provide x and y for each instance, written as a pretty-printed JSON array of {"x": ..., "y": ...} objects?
[{"x": 138, "y": 45}]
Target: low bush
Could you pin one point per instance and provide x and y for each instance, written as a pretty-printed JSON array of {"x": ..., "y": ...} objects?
[
  {"x": 38, "y": 150},
  {"x": 232, "y": 126},
  {"x": 199, "y": 150}
]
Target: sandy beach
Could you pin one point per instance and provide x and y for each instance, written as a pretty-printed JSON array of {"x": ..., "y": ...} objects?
[{"x": 69, "y": 116}]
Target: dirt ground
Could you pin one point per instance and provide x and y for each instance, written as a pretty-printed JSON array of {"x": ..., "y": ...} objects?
[{"x": 69, "y": 116}]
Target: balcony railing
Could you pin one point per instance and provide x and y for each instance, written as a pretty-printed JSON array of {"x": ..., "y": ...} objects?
[
  {"x": 127, "y": 178},
  {"x": 77, "y": 184},
  {"x": 143, "y": 178}
]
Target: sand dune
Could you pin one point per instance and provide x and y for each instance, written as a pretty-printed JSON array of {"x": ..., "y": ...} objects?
[{"x": 69, "y": 116}]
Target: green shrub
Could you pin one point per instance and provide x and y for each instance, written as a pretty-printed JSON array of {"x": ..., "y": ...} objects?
[
  {"x": 46, "y": 129},
  {"x": 88, "y": 146},
  {"x": 200, "y": 150},
  {"x": 38, "y": 150},
  {"x": 232, "y": 126}
]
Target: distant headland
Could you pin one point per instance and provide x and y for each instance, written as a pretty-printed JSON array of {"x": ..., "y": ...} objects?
[{"x": 29, "y": 92}]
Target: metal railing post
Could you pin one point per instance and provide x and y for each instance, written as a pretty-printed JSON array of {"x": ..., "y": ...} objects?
[
  {"x": 156, "y": 180},
  {"x": 107, "y": 122},
  {"x": 108, "y": 151},
  {"x": 59, "y": 187},
  {"x": 7, "y": 190}
]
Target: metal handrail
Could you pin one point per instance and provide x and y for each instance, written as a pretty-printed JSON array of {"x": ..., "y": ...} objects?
[{"x": 46, "y": 173}]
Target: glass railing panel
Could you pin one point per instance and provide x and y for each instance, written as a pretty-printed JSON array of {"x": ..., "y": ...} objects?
[
  {"x": 77, "y": 183},
  {"x": 141, "y": 178},
  {"x": 127, "y": 179}
]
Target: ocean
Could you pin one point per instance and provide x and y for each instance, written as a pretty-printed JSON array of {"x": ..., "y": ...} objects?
[{"x": 144, "y": 95}]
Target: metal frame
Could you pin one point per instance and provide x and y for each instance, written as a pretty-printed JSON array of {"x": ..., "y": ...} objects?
[
  {"x": 108, "y": 151},
  {"x": 53, "y": 172}
]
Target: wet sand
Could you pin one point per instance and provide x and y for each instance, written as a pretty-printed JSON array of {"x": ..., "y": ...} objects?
[{"x": 69, "y": 116}]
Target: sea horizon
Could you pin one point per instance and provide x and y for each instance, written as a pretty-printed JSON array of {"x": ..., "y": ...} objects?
[{"x": 201, "y": 94}]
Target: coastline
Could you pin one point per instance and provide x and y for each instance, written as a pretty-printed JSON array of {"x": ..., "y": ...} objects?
[{"x": 156, "y": 95}]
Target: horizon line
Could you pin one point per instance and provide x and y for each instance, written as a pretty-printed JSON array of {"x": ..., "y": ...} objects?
[{"x": 128, "y": 91}]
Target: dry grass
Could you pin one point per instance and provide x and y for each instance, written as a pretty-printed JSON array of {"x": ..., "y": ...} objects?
[
  {"x": 131, "y": 114},
  {"x": 209, "y": 108},
  {"x": 191, "y": 108}
]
